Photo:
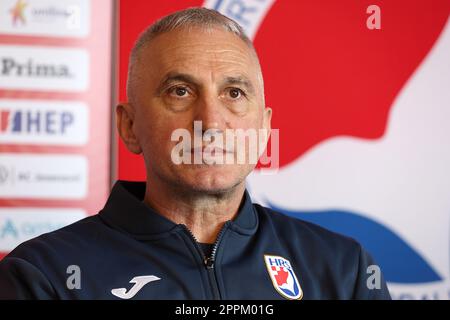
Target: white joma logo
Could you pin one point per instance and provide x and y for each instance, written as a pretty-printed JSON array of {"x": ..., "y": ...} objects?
[{"x": 139, "y": 282}]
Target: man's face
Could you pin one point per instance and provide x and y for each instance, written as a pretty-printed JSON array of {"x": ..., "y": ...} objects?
[{"x": 184, "y": 76}]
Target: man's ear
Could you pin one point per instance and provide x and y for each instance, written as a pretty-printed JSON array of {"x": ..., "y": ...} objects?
[
  {"x": 267, "y": 119},
  {"x": 125, "y": 122}
]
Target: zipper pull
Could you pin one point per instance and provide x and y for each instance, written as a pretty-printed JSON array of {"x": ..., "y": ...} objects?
[{"x": 209, "y": 262}]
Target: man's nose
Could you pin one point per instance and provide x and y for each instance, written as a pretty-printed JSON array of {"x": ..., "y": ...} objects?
[{"x": 210, "y": 112}]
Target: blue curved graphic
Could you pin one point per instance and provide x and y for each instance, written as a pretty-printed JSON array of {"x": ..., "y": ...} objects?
[{"x": 399, "y": 261}]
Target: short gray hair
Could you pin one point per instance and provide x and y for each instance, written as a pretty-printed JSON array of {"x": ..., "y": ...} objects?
[{"x": 205, "y": 18}]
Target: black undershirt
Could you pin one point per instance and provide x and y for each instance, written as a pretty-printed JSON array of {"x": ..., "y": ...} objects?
[{"x": 206, "y": 248}]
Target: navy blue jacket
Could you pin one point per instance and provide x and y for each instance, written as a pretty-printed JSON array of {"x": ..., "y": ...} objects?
[{"x": 130, "y": 251}]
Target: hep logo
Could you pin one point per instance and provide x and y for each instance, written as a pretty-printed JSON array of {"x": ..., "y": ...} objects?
[{"x": 49, "y": 122}]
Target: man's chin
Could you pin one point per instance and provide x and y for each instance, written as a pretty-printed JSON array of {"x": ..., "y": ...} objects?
[
  {"x": 212, "y": 188},
  {"x": 211, "y": 179},
  {"x": 212, "y": 185}
]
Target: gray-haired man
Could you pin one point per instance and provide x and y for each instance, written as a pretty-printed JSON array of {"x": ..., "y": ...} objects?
[{"x": 191, "y": 231}]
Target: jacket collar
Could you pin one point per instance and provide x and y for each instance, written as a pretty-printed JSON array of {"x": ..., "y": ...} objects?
[{"x": 126, "y": 211}]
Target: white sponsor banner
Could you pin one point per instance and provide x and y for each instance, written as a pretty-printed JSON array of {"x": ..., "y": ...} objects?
[
  {"x": 43, "y": 122},
  {"x": 48, "y": 18},
  {"x": 43, "y": 68},
  {"x": 43, "y": 176},
  {"x": 21, "y": 224}
]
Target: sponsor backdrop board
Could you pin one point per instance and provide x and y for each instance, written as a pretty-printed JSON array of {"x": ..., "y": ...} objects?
[
  {"x": 55, "y": 114},
  {"x": 360, "y": 94}
]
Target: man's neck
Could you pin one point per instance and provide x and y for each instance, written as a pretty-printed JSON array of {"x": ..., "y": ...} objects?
[{"x": 203, "y": 214}]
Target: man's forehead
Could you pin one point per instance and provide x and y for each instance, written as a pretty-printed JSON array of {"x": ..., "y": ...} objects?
[{"x": 195, "y": 45}]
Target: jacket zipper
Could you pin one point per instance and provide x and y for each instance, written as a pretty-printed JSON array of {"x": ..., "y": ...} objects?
[{"x": 209, "y": 261}]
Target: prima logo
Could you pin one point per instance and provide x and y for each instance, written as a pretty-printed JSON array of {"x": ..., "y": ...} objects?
[
  {"x": 57, "y": 69},
  {"x": 31, "y": 68}
]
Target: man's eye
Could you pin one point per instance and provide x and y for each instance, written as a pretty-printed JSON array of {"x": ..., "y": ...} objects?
[
  {"x": 235, "y": 93},
  {"x": 179, "y": 92}
]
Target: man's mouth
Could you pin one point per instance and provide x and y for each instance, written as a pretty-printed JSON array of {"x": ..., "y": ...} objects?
[{"x": 209, "y": 150}]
